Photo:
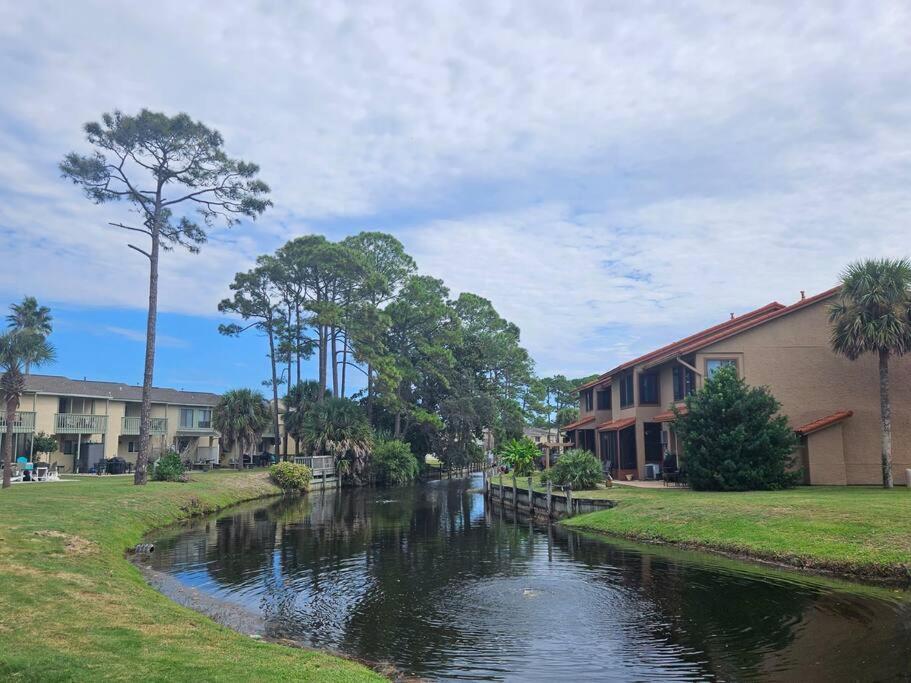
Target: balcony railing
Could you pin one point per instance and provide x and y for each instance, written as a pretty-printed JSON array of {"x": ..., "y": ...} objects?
[
  {"x": 76, "y": 423},
  {"x": 23, "y": 423},
  {"x": 130, "y": 425},
  {"x": 198, "y": 427},
  {"x": 317, "y": 463}
]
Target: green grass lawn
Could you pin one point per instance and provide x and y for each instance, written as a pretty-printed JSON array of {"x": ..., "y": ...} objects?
[
  {"x": 73, "y": 608},
  {"x": 858, "y": 531}
]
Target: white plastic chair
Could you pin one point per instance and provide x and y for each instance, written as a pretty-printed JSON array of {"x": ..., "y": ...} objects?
[{"x": 41, "y": 473}]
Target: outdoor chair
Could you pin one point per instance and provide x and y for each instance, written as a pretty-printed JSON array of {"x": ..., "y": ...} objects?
[
  {"x": 670, "y": 472},
  {"x": 41, "y": 473}
]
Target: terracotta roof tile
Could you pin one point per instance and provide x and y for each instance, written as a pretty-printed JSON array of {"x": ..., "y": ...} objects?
[
  {"x": 824, "y": 422},
  {"x": 613, "y": 425},
  {"x": 669, "y": 415},
  {"x": 578, "y": 423}
]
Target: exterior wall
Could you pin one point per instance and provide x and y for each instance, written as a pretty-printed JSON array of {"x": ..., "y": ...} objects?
[
  {"x": 791, "y": 356},
  {"x": 824, "y": 459}
]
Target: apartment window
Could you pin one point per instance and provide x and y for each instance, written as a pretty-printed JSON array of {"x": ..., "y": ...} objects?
[
  {"x": 205, "y": 418},
  {"x": 648, "y": 389},
  {"x": 684, "y": 382},
  {"x": 186, "y": 418},
  {"x": 131, "y": 447},
  {"x": 604, "y": 399},
  {"x": 712, "y": 365},
  {"x": 69, "y": 447},
  {"x": 587, "y": 398},
  {"x": 626, "y": 391}
]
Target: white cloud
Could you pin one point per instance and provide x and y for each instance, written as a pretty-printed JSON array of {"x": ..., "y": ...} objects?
[{"x": 607, "y": 174}]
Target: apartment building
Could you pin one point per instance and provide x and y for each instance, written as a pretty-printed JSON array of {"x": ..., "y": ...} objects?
[
  {"x": 832, "y": 403},
  {"x": 93, "y": 419}
]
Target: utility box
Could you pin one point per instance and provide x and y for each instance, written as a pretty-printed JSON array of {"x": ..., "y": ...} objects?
[
  {"x": 90, "y": 454},
  {"x": 652, "y": 471}
]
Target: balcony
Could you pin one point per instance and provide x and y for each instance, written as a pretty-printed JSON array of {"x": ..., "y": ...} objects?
[
  {"x": 197, "y": 427},
  {"x": 77, "y": 423},
  {"x": 23, "y": 423},
  {"x": 129, "y": 426}
]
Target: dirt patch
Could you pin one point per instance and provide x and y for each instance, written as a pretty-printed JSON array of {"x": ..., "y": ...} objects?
[{"x": 72, "y": 545}]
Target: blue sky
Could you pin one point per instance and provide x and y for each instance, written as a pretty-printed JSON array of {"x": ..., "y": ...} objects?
[{"x": 611, "y": 175}]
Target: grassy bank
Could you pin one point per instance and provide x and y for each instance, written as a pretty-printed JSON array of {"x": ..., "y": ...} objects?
[
  {"x": 859, "y": 532},
  {"x": 862, "y": 532},
  {"x": 71, "y": 606}
]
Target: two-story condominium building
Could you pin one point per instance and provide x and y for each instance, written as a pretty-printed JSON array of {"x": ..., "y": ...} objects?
[
  {"x": 831, "y": 402},
  {"x": 92, "y": 419}
]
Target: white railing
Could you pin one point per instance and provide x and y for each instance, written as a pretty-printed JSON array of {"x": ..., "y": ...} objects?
[
  {"x": 130, "y": 425},
  {"x": 77, "y": 423},
  {"x": 317, "y": 463},
  {"x": 23, "y": 422}
]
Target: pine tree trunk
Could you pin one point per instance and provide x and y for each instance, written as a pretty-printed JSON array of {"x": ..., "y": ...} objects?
[
  {"x": 885, "y": 410},
  {"x": 297, "y": 339},
  {"x": 140, "y": 477},
  {"x": 335, "y": 385},
  {"x": 344, "y": 363},
  {"x": 11, "y": 404},
  {"x": 274, "y": 387},
  {"x": 398, "y": 424},
  {"x": 322, "y": 362},
  {"x": 370, "y": 394}
]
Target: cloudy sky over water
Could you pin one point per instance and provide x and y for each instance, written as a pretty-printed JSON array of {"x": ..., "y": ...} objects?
[{"x": 611, "y": 175}]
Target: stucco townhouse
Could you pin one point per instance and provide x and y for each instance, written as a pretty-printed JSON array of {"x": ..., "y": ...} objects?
[
  {"x": 92, "y": 420},
  {"x": 832, "y": 403}
]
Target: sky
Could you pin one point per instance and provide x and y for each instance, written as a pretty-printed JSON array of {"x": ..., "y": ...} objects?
[{"x": 611, "y": 175}]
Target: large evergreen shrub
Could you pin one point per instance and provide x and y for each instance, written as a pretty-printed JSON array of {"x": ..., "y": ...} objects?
[
  {"x": 291, "y": 477},
  {"x": 393, "y": 463},
  {"x": 734, "y": 439},
  {"x": 169, "y": 467},
  {"x": 519, "y": 455},
  {"x": 576, "y": 468}
]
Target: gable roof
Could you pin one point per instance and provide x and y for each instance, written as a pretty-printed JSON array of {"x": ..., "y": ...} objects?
[
  {"x": 616, "y": 425},
  {"x": 578, "y": 423},
  {"x": 716, "y": 333},
  {"x": 64, "y": 386}
]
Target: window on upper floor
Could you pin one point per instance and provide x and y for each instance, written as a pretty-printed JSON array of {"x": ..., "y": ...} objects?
[
  {"x": 648, "y": 389},
  {"x": 684, "y": 382},
  {"x": 604, "y": 399},
  {"x": 712, "y": 365},
  {"x": 587, "y": 400},
  {"x": 626, "y": 391}
]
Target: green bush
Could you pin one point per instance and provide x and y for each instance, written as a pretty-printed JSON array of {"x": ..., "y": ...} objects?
[
  {"x": 291, "y": 477},
  {"x": 576, "y": 468},
  {"x": 734, "y": 439},
  {"x": 519, "y": 455},
  {"x": 169, "y": 468},
  {"x": 393, "y": 463}
]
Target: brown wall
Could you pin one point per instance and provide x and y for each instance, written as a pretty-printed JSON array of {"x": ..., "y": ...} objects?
[{"x": 791, "y": 356}]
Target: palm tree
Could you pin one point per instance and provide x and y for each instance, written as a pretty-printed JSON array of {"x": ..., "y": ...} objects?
[
  {"x": 241, "y": 416},
  {"x": 339, "y": 427},
  {"x": 300, "y": 400},
  {"x": 18, "y": 350},
  {"x": 871, "y": 315},
  {"x": 29, "y": 316}
]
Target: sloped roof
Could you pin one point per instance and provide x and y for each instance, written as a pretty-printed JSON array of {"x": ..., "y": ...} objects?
[
  {"x": 823, "y": 422},
  {"x": 669, "y": 415},
  {"x": 578, "y": 423},
  {"x": 64, "y": 386},
  {"x": 616, "y": 425},
  {"x": 672, "y": 348}
]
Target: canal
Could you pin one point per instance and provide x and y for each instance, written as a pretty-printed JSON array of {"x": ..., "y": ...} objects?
[{"x": 431, "y": 580}]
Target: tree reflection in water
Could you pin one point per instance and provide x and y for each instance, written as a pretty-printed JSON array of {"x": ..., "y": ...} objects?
[{"x": 428, "y": 578}]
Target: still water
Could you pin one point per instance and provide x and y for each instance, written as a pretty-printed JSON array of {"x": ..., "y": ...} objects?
[{"x": 432, "y": 580}]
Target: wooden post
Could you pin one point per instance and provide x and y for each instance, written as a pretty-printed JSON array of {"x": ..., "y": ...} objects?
[
  {"x": 501, "y": 489},
  {"x": 531, "y": 497},
  {"x": 569, "y": 501},
  {"x": 515, "y": 490},
  {"x": 550, "y": 506}
]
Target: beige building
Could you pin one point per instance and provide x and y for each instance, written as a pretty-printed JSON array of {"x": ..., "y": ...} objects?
[
  {"x": 831, "y": 402},
  {"x": 92, "y": 419}
]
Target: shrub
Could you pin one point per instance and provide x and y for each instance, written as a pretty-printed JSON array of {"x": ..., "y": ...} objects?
[
  {"x": 520, "y": 455},
  {"x": 734, "y": 439},
  {"x": 169, "y": 468},
  {"x": 393, "y": 463},
  {"x": 290, "y": 477},
  {"x": 576, "y": 468}
]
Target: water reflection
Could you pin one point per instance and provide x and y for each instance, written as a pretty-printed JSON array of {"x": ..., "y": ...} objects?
[{"x": 429, "y": 579}]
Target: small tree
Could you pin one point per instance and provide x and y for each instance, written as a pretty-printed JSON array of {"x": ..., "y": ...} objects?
[
  {"x": 240, "y": 416},
  {"x": 165, "y": 166},
  {"x": 871, "y": 315},
  {"x": 339, "y": 427},
  {"x": 520, "y": 455},
  {"x": 393, "y": 463},
  {"x": 43, "y": 444},
  {"x": 733, "y": 437}
]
